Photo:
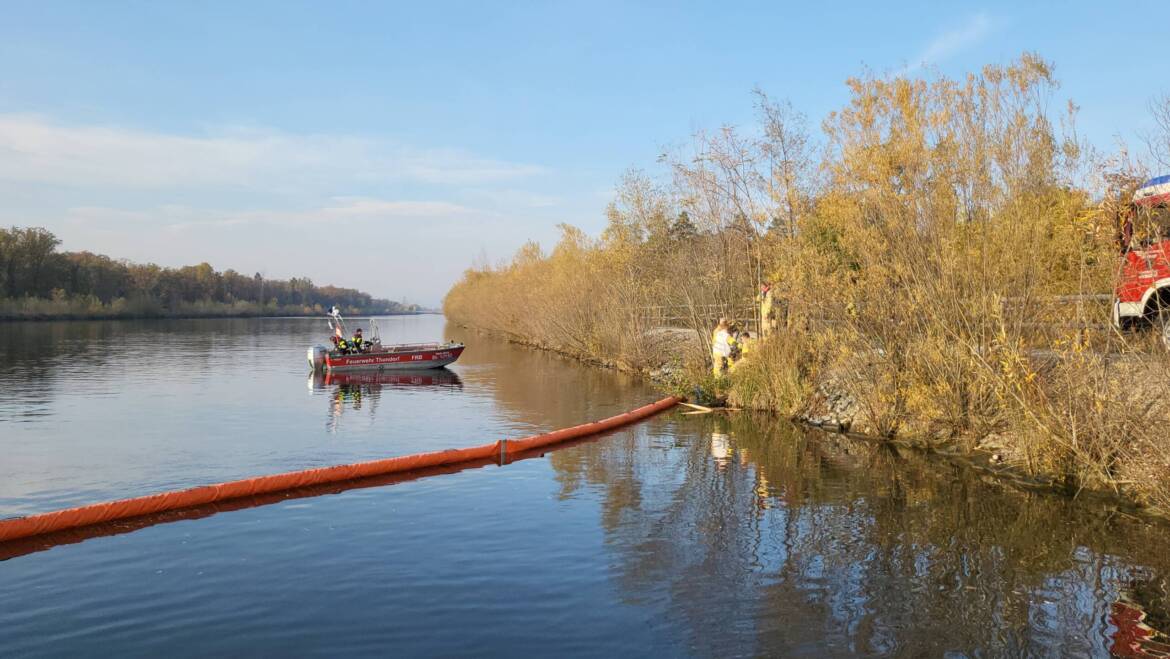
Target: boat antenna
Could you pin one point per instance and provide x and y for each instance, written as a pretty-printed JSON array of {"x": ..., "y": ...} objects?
[{"x": 335, "y": 317}]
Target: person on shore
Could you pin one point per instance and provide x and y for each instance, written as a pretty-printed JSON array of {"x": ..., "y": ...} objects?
[
  {"x": 746, "y": 343},
  {"x": 767, "y": 311},
  {"x": 359, "y": 344},
  {"x": 721, "y": 347}
]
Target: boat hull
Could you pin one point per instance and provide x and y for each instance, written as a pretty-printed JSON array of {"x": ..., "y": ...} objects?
[{"x": 398, "y": 360}]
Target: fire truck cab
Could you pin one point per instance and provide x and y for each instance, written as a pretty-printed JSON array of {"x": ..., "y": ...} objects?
[{"x": 1142, "y": 296}]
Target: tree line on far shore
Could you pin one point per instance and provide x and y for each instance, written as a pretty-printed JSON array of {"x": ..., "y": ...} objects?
[{"x": 38, "y": 281}]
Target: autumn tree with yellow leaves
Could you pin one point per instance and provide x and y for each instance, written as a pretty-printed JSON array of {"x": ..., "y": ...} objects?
[{"x": 924, "y": 249}]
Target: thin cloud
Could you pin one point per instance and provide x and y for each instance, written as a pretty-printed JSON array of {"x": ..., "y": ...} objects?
[
  {"x": 381, "y": 208},
  {"x": 175, "y": 217},
  {"x": 36, "y": 149},
  {"x": 512, "y": 198},
  {"x": 952, "y": 42}
]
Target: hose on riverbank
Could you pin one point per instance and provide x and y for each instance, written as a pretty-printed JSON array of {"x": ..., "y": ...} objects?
[{"x": 70, "y": 518}]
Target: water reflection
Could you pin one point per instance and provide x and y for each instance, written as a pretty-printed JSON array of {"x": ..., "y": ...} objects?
[
  {"x": 720, "y": 448},
  {"x": 828, "y": 545},
  {"x": 348, "y": 391},
  {"x": 436, "y": 377},
  {"x": 1133, "y": 636},
  {"x": 109, "y": 409},
  {"x": 542, "y": 390},
  {"x": 701, "y": 535}
]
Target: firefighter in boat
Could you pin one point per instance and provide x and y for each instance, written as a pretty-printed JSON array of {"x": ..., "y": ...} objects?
[
  {"x": 358, "y": 344},
  {"x": 341, "y": 345}
]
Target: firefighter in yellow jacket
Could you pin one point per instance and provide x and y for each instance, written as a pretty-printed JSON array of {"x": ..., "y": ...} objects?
[
  {"x": 768, "y": 320},
  {"x": 745, "y": 342}
]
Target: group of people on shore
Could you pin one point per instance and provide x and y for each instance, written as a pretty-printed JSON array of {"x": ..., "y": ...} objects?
[{"x": 730, "y": 346}]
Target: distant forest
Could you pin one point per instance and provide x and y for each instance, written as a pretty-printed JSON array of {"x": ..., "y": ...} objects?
[{"x": 37, "y": 281}]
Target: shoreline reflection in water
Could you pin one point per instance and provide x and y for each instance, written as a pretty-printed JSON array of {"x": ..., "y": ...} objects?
[
  {"x": 709, "y": 535},
  {"x": 352, "y": 389}
]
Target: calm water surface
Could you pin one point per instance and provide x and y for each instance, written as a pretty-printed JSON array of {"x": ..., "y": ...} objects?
[{"x": 682, "y": 536}]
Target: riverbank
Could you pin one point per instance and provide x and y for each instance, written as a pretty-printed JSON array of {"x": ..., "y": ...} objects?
[
  {"x": 38, "y": 309},
  {"x": 781, "y": 378},
  {"x": 37, "y": 282},
  {"x": 921, "y": 266}
]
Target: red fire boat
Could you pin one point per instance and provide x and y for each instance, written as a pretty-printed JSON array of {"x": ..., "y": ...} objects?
[{"x": 373, "y": 356}]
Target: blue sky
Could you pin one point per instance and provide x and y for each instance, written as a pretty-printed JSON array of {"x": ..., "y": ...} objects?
[{"x": 387, "y": 146}]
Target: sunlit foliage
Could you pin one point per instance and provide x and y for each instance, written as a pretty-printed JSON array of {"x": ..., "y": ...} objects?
[{"x": 924, "y": 250}]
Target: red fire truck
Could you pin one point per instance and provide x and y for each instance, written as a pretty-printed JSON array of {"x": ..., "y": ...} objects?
[{"x": 1142, "y": 296}]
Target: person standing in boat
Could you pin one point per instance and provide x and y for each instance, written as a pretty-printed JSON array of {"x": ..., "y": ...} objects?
[{"x": 359, "y": 344}]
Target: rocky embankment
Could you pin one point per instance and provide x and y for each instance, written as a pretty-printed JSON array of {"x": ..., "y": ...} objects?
[{"x": 832, "y": 408}]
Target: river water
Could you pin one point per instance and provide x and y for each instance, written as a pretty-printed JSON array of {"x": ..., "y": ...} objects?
[{"x": 681, "y": 536}]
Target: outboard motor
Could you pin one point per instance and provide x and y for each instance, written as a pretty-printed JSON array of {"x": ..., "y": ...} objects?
[{"x": 317, "y": 357}]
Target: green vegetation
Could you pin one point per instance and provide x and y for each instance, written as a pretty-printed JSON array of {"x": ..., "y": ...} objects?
[
  {"x": 39, "y": 282},
  {"x": 919, "y": 249}
]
